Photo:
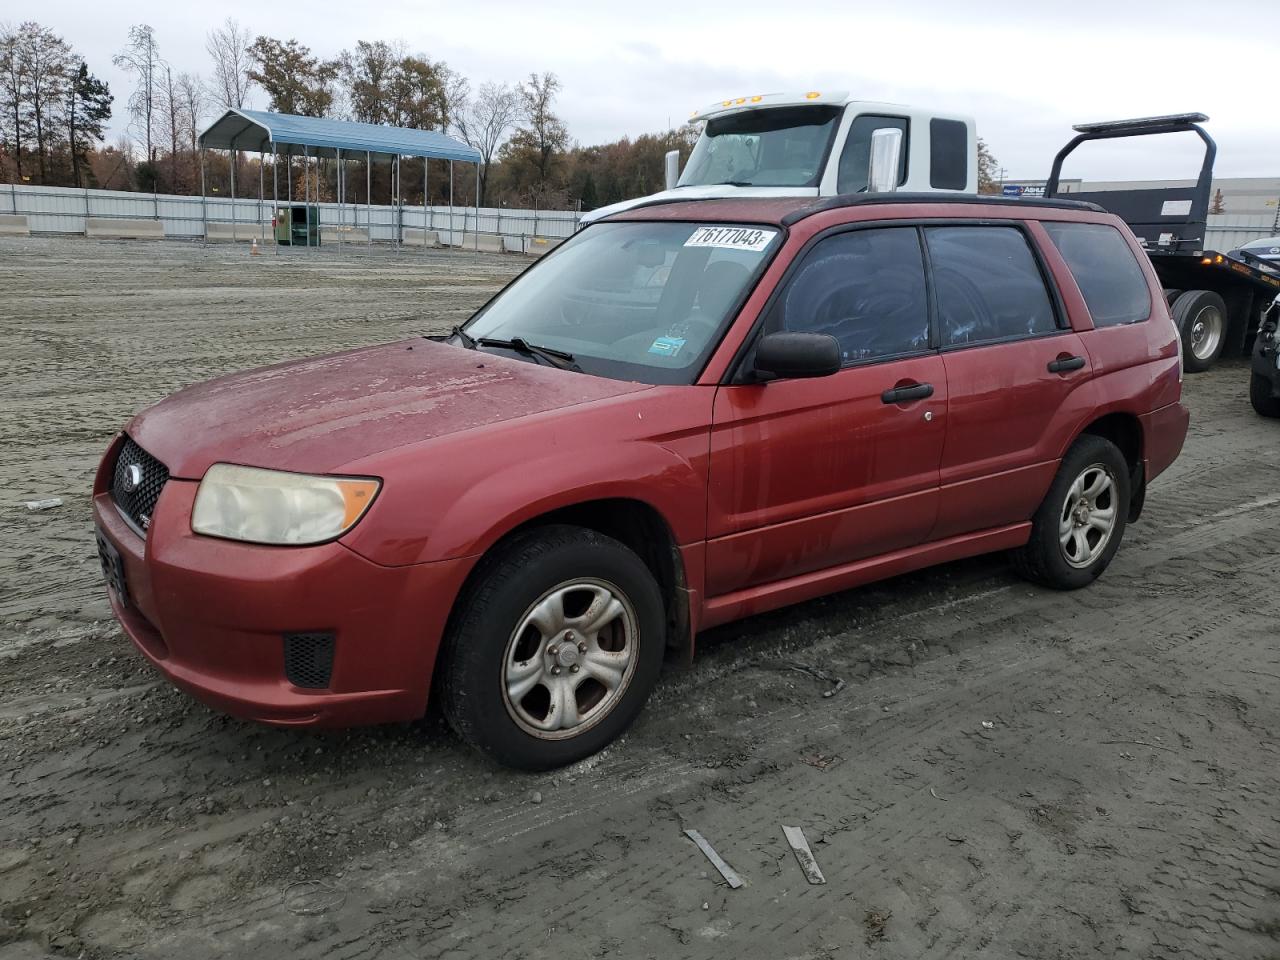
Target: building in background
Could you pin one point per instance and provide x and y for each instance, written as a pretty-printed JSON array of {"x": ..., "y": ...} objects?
[{"x": 1241, "y": 208}]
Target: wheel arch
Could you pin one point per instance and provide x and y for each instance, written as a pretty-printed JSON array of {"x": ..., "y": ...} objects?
[
  {"x": 1124, "y": 429},
  {"x": 635, "y": 523}
]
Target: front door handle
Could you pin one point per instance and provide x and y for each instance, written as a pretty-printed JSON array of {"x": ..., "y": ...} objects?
[
  {"x": 1065, "y": 364},
  {"x": 916, "y": 391}
]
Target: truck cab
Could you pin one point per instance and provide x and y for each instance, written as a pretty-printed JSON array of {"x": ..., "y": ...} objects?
[{"x": 819, "y": 144}]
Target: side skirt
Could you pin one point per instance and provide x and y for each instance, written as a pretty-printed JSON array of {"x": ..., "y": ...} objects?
[{"x": 782, "y": 593}]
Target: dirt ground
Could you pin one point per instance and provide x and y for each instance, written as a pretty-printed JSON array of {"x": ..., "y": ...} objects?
[{"x": 1010, "y": 772}]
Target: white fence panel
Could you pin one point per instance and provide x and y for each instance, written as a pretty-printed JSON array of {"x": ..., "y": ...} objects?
[{"x": 63, "y": 210}]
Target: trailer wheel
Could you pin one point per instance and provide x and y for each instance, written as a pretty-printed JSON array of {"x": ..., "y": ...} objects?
[{"x": 1201, "y": 319}]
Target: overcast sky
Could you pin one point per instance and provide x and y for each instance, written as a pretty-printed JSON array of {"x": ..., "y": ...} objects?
[{"x": 1025, "y": 70}]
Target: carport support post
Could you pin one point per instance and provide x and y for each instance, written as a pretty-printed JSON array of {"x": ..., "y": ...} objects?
[
  {"x": 275, "y": 194},
  {"x": 477, "y": 208},
  {"x": 368, "y": 196},
  {"x": 204, "y": 211},
  {"x": 234, "y": 238},
  {"x": 426, "y": 162},
  {"x": 262, "y": 225},
  {"x": 306, "y": 190},
  {"x": 342, "y": 210},
  {"x": 451, "y": 243}
]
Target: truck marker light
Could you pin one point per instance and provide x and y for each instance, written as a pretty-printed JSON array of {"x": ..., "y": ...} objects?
[
  {"x": 757, "y": 98},
  {"x": 812, "y": 95}
]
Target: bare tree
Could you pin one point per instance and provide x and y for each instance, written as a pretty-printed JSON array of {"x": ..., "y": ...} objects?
[
  {"x": 228, "y": 46},
  {"x": 193, "y": 99},
  {"x": 142, "y": 58},
  {"x": 483, "y": 121}
]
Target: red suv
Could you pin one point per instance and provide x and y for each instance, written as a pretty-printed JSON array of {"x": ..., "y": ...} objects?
[{"x": 689, "y": 413}]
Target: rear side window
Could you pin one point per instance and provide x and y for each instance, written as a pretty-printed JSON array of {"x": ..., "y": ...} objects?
[
  {"x": 866, "y": 288},
  {"x": 989, "y": 286},
  {"x": 856, "y": 157},
  {"x": 1114, "y": 286},
  {"x": 948, "y": 155}
]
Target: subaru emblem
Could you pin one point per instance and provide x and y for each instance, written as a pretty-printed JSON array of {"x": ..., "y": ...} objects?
[{"x": 132, "y": 478}]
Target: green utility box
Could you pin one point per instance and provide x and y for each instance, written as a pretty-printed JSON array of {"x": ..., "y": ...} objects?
[{"x": 293, "y": 223}]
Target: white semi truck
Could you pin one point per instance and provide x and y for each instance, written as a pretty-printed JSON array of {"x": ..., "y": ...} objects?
[{"x": 820, "y": 145}]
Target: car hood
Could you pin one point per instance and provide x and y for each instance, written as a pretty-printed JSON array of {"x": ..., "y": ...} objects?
[{"x": 317, "y": 415}]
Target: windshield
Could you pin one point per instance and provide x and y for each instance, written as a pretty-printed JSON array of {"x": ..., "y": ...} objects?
[
  {"x": 633, "y": 301},
  {"x": 778, "y": 147}
]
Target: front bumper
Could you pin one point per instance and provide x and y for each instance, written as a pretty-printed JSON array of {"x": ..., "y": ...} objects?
[{"x": 211, "y": 614}]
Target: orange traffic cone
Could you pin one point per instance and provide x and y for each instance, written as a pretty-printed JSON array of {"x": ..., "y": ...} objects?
[{"x": 253, "y": 249}]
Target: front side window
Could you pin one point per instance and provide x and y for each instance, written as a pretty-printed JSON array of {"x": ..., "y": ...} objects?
[
  {"x": 866, "y": 288},
  {"x": 989, "y": 286},
  {"x": 1112, "y": 284},
  {"x": 775, "y": 147},
  {"x": 644, "y": 301},
  {"x": 855, "y": 159}
]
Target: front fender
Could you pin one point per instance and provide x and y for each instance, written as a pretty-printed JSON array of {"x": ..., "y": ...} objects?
[{"x": 458, "y": 496}]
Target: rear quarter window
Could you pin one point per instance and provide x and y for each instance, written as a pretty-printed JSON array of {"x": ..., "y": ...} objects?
[{"x": 1106, "y": 271}]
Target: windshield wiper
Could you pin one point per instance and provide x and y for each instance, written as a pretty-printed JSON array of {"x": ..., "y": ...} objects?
[
  {"x": 732, "y": 183},
  {"x": 557, "y": 358},
  {"x": 468, "y": 341}
]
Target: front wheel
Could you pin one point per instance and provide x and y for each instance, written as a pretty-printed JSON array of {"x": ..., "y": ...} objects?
[
  {"x": 1078, "y": 528},
  {"x": 554, "y": 648},
  {"x": 1262, "y": 396}
]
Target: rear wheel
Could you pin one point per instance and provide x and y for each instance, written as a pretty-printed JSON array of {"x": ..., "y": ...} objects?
[
  {"x": 1078, "y": 528},
  {"x": 1201, "y": 318},
  {"x": 1262, "y": 396},
  {"x": 554, "y": 649}
]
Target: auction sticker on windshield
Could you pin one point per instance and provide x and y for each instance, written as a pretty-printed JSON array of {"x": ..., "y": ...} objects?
[{"x": 732, "y": 238}]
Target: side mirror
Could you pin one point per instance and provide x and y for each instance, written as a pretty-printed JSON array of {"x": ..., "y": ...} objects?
[
  {"x": 886, "y": 156},
  {"x": 796, "y": 355},
  {"x": 672, "y": 161}
]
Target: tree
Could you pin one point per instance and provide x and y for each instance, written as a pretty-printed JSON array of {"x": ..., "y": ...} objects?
[
  {"x": 543, "y": 134},
  {"x": 294, "y": 80},
  {"x": 13, "y": 96},
  {"x": 88, "y": 110},
  {"x": 229, "y": 48},
  {"x": 483, "y": 123},
  {"x": 44, "y": 60},
  {"x": 141, "y": 57},
  {"x": 385, "y": 84},
  {"x": 191, "y": 95},
  {"x": 988, "y": 169},
  {"x": 1219, "y": 202}
]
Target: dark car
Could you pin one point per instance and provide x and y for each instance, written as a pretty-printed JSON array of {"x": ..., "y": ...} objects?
[
  {"x": 687, "y": 414},
  {"x": 1264, "y": 379}
]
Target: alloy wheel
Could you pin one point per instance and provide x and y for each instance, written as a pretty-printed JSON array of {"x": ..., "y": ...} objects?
[{"x": 570, "y": 658}]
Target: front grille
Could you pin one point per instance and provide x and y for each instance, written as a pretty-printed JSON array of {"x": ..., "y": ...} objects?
[
  {"x": 308, "y": 659},
  {"x": 135, "y": 492}
]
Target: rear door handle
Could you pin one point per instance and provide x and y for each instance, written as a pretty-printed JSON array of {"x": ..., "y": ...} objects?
[
  {"x": 917, "y": 391},
  {"x": 1065, "y": 364}
]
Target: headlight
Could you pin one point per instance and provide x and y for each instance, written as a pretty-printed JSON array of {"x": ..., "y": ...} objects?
[{"x": 271, "y": 506}]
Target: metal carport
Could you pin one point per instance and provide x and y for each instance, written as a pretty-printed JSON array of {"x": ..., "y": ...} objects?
[{"x": 320, "y": 137}]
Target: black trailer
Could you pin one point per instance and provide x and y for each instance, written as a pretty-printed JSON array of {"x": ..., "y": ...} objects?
[{"x": 1217, "y": 299}]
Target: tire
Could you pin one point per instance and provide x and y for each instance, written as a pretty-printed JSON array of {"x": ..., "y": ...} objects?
[
  {"x": 1264, "y": 400},
  {"x": 1201, "y": 319},
  {"x": 1170, "y": 295},
  {"x": 510, "y": 686},
  {"x": 1045, "y": 559}
]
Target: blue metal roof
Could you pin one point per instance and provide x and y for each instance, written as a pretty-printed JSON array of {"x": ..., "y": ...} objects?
[{"x": 257, "y": 130}]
